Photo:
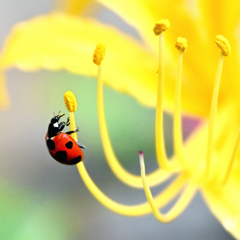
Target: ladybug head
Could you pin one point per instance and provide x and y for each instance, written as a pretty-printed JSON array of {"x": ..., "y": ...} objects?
[{"x": 55, "y": 119}]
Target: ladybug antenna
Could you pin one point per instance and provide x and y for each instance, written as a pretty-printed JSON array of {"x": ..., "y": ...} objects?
[
  {"x": 60, "y": 114},
  {"x": 54, "y": 114}
]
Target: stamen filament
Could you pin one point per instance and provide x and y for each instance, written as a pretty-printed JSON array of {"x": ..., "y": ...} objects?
[
  {"x": 127, "y": 210},
  {"x": 72, "y": 125},
  {"x": 177, "y": 124},
  {"x": 224, "y": 45},
  {"x": 159, "y": 133},
  {"x": 156, "y": 177},
  {"x": 170, "y": 192},
  {"x": 232, "y": 158},
  {"x": 135, "y": 210},
  {"x": 179, "y": 206},
  {"x": 213, "y": 115}
]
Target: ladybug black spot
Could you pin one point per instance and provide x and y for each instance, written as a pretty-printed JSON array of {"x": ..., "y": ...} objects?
[
  {"x": 76, "y": 160},
  {"x": 61, "y": 156},
  {"x": 69, "y": 145},
  {"x": 50, "y": 144}
]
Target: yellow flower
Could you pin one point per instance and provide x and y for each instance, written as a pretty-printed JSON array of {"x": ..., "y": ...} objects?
[
  {"x": 61, "y": 40},
  {"x": 193, "y": 167}
]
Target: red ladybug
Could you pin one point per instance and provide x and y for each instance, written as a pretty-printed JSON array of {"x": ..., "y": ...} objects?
[{"x": 62, "y": 146}]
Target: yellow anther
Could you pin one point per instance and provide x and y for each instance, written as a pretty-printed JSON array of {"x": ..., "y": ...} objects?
[
  {"x": 70, "y": 101},
  {"x": 223, "y": 44},
  {"x": 181, "y": 44},
  {"x": 99, "y": 53},
  {"x": 161, "y": 26}
]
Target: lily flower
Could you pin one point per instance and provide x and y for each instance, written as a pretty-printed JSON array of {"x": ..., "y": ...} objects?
[
  {"x": 194, "y": 167},
  {"x": 61, "y": 40}
]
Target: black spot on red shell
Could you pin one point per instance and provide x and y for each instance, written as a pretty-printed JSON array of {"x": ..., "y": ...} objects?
[
  {"x": 50, "y": 144},
  {"x": 69, "y": 145},
  {"x": 61, "y": 156},
  {"x": 76, "y": 160}
]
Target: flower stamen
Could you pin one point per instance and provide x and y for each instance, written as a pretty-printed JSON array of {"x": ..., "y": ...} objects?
[
  {"x": 161, "y": 26},
  {"x": 70, "y": 101},
  {"x": 135, "y": 210},
  {"x": 127, "y": 210},
  {"x": 71, "y": 105},
  {"x": 180, "y": 205},
  {"x": 223, "y": 44},
  {"x": 158, "y": 29},
  {"x": 132, "y": 180},
  {"x": 154, "y": 178},
  {"x": 99, "y": 54},
  {"x": 233, "y": 157},
  {"x": 181, "y": 45}
]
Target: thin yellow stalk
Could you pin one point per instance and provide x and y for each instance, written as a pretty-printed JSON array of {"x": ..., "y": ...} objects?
[
  {"x": 154, "y": 178},
  {"x": 179, "y": 206},
  {"x": 177, "y": 121},
  {"x": 159, "y": 133},
  {"x": 127, "y": 210},
  {"x": 233, "y": 157},
  {"x": 212, "y": 116},
  {"x": 224, "y": 45}
]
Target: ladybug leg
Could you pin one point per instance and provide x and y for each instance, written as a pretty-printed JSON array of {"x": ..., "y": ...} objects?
[
  {"x": 81, "y": 146},
  {"x": 63, "y": 124},
  {"x": 68, "y": 121},
  {"x": 70, "y": 132},
  {"x": 76, "y": 130}
]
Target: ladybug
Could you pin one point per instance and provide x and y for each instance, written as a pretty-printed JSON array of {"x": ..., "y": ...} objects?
[{"x": 61, "y": 146}]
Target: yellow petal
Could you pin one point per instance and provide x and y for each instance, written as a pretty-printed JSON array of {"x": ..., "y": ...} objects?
[
  {"x": 224, "y": 136},
  {"x": 61, "y": 41},
  {"x": 223, "y": 201}
]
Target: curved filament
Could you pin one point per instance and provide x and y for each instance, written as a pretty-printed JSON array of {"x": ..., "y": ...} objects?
[
  {"x": 213, "y": 115},
  {"x": 177, "y": 125},
  {"x": 154, "y": 178},
  {"x": 179, "y": 206},
  {"x": 135, "y": 210},
  {"x": 232, "y": 158},
  {"x": 159, "y": 136}
]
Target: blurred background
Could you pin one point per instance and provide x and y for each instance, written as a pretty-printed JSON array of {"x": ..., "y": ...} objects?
[{"x": 42, "y": 199}]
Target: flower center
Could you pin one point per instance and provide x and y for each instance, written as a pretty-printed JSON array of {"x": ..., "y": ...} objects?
[
  {"x": 207, "y": 170},
  {"x": 186, "y": 181},
  {"x": 204, "y": 172}
]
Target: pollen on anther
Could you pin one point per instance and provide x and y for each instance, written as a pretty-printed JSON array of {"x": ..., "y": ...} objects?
[
  {"x": 181, "y": 44},
  {"x": 161, "y": 26},
  {"x": 70, "y": 101},
  {"x": 223, "y": 44},
  {"x": 99, "y": 53}
]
